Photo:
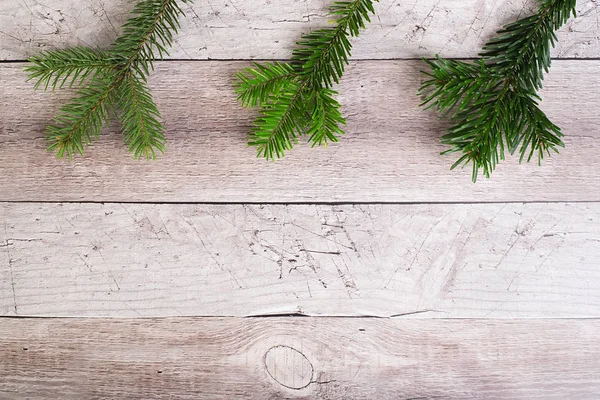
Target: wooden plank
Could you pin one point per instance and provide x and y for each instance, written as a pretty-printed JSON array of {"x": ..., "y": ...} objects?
[
  {"x": 390, "y": 154},
  {"x": 6, "y": 279},
  {"x": 243, "y": 29},
  {"x": 431, "y": 261},
  {"x": 268, "y": 358}
]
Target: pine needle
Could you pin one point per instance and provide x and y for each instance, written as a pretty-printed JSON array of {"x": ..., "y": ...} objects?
[
  {"x": 493, "y": 102},
  {"x": 110, "y": 82},
  {"x": 295, "y": 99}
]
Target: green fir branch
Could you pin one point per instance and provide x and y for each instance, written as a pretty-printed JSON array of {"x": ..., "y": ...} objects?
[
  {"x": 295, "y": 98},
  {"x": 69, "y": 67},
  {"x": 81, "y": 121},
  {"x": 140, "y": 118},
  {"x": 281, "y": 120},
  {"x": 111, "y": 82},
  {"x": 324, "y": 53},
  {"x": 147, "y": 35},
  {"x": 493, "y": 102},
  {"x": 256, "y": 85},
  {"x": 326, "y": 118}
]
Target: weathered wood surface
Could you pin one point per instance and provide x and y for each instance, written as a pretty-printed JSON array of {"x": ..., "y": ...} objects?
[
  {"x": 418, "y": 263},
  {"x": 436, "y": 261},
  {"x": 390, "y": 154},
  {"x": 299, "y": 358},
  {"x": 243, "y": 29}
]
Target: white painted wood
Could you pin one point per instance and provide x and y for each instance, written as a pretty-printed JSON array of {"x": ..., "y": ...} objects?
[
  {"x": 391, "y": 152},
  {"x": 242, "y": 29},
  {"x": 351, "y": 358},
  {"x": 434, "y": 261}
]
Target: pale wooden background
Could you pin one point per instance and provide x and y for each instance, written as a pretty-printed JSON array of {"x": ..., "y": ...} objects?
[{"x": 189, "y": 277}]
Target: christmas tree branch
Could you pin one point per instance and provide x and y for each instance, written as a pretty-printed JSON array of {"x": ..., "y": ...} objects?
[
  {"x": 140, "y": 118},
  {"x": 68, "y": 67},
  {"x": 324, "y": 53},
  {"x": 150, "y": 29},
  {"x": 295, "y": 98},
  {"x": 81, "y": 120},
  {"x": 492, "y": 102},
  {"x": 112, "y": 79}
]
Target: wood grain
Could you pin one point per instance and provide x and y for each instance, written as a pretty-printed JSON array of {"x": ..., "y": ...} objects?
[
  {"x": 391, "y": 152},
  {"x": 207, "y": 358},
  {"x": 413, "y": 264},
  {"x": 430, "y": 261},
  {"x": 251, "y": 29}
]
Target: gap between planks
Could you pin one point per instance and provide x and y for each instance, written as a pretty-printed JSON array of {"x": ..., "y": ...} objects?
[{"x": 352, "y": 60}]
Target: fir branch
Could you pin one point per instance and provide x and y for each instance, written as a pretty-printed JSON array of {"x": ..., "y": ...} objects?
[
  {"x": 326, "y": 118},
  {"x": 277, "y": 127},
  {"x": 492, "y": 102},
  {"x": 81, "y": 121},
  {"x": 112, "y": 80},
  {"x": 257, "y": 85},
  {"x": 324, "y": 53},
  {"x": 140, "y": 118},
  {"x": 57, "y": 68},
  {"x": 150, "y": 30},
  {"x": 295, "y": 98}
]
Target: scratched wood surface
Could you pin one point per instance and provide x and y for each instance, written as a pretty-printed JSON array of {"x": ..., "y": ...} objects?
[
  {"x": 428, "y": 267},
  {"x": 434, "y": 261},
  {"x": 391, "y": 152},
  {"x": 319, "y": 358},
  {"x": 243, "y": 29}
]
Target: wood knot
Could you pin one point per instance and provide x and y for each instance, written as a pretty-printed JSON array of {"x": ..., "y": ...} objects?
[{"x": 289, "y": 367}]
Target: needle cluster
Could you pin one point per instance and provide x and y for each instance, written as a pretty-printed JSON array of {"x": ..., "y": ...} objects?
[
  {"x": 296, "y": 98},
  {"x": 112, "y": 81},
  {"x": 492, "y": 102}
]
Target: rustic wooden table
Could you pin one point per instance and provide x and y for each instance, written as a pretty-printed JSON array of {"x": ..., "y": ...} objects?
[{"x": 188, "y": 277}]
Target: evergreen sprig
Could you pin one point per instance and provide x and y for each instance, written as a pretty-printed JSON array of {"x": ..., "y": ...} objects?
[
  {"x": 296, "y": 98},
  {"x": 110, "y": 82},
  {"x": 493, "y": 102}
]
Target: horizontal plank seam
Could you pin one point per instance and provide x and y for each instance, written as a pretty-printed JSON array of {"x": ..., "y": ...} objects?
[
  {"x": 289, "y": 60},
  {"x": 293, "y": 316},
  {"x": 305, "y": 203}
]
